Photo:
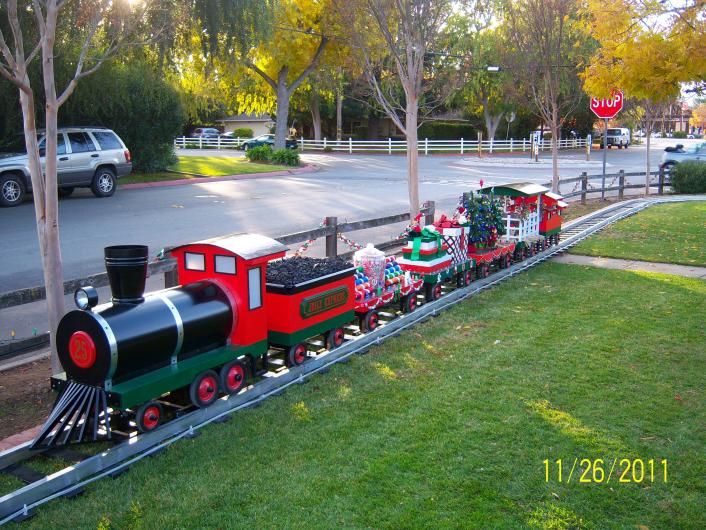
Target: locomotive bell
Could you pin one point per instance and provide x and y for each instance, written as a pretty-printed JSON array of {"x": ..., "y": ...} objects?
[{"x": 126, "y": 266}]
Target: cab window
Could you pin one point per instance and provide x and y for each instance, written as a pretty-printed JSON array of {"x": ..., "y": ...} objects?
[
  {"x": 225, "y": 264},
  {"x": 193, "y": 261}
]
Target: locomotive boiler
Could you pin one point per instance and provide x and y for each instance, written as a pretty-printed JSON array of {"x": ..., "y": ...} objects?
[{"x": 134, "y": 334}]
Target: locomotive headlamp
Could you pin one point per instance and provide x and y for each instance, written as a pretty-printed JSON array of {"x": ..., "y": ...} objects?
[{"x": 86, "y": 297}]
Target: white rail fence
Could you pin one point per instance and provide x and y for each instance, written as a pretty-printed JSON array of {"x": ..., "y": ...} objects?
[{"x": 390, "y": 146}]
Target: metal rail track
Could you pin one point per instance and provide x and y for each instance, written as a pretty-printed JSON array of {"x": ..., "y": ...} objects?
[{"x": 67, "y": 482}]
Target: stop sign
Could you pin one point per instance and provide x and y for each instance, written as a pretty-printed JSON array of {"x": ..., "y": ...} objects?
[{"x": 608, "y": 108}]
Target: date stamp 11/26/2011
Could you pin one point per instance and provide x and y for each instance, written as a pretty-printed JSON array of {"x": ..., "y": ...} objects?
[{"x": 606, "y": 471}]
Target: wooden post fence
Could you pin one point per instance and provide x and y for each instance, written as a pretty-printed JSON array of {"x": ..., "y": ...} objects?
[
  {"x": 621, "y": 184},
  {"x": 332, "y": 239},
  {"x": 660, "y": 180},
  {"x": 584, "y": 186}
]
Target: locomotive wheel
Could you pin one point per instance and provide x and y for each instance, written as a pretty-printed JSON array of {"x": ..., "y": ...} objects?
[
  {"x": 204, "y": 389},
  {"x": 409, "y": 302},
  {"x": 483, "y": 271},
  {"x": 459, "y": 279},
  {"x": 432, "y": 292},
  {"x": 149, "y": 416},
  {"x": 232, "y": 377},
  {"x": 508, "y": 261},
  {"x": 334, "y": 338},
  {"x": 296, "y": 355},
  {"x": 370, "y": 321},
  {"x": 467, "y": 278}
]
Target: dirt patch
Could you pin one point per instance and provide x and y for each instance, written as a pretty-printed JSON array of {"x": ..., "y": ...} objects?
[
  {"x": 576, "y": 209},
  {"x": 25, "y": 397}
]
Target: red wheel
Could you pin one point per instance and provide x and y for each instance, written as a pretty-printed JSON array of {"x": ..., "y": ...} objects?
[
  {"x": 432, "y": 292},
  {"x": 467, "y": 277},
  {"x": 409, "y": 302},
  {"x": 508, "y": 261},
  {"x": 232, "y": 377},
  {"x": 484, "y": 271},
  {"x": 204, "y": 389},
  {"x": 334, "y": 338},
  {"x": 296, "y": 355},
  {"x": 370, "y": 321},
  {"x": 148, "y": 416}
]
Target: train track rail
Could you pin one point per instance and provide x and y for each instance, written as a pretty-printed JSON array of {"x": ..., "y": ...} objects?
[{"x": 71, "y": 480}]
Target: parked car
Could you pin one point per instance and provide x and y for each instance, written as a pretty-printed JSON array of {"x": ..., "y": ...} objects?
[
  {"x": 205, "y": 132},
  {"x": 677, "y": 154},
  {"x": 619, "y": 137},
  {"x": 267, "y": 139},
  {"x": 87, "y": 157}
]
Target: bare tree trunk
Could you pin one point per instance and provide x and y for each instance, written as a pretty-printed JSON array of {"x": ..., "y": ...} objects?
[
  {"x": 648, "y": 132},
  {"x": 339, "y": 114},
  {"x": 492, "y": 121},
  {"x": 315, "y": 113},
  {"x": 50, "y": 245},
  {"x": 555, "y": 150},
  {"x": 283, "y": 94},
  {"x": 412, "y": 154}
]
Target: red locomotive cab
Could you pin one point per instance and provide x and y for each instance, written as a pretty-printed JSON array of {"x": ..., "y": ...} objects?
[
  {"x": 552, "y": 207},
  {"x": 238, "y": 264}
]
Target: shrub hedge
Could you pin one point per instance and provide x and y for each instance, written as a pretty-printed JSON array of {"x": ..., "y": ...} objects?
[
  {"x": 242, "y": 132},
  {"x": 439, "y": 130},
  {"x": 679, "y": 134},
  {"x": 689, "y": 177},
  {"x": 287, "y": 157},
  {"x": 262, "y": 153}
]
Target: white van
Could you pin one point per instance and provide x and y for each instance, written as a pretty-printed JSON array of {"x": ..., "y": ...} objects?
[{"x": 619, "y": 137}]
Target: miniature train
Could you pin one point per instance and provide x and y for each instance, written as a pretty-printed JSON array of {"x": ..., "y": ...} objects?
[{"x": 241, "y": 308}]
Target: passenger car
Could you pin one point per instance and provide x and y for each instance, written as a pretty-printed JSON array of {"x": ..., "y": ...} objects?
[
  {"x": 90, "y": 157},
  {"x": 267, "y": 139},
  {"x": 674, "y": 155},
  {"x": 205, "y": 132}
]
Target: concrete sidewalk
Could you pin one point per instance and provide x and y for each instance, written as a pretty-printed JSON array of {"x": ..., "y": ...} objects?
[{"x": 633, "y": 265}]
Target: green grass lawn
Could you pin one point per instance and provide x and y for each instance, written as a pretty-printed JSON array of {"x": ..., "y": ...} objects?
[
  {"x": 190, "y": 167},
  {"x": 448, "y": 425},
  {"x": 668, "y": 233},
  {"x": 218, "y": 166}
]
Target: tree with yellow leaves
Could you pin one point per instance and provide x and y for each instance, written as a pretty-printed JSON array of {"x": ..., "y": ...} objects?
[
  {"x": 645, "y": 50},
  {"x": 698, "y": 116}
]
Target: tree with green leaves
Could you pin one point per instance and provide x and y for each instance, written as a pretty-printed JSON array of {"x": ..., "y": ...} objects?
[
  {"x": 486, "y": 90},
  {"x": 392, "y": 40},
  {"x": 547, "y": 44}
]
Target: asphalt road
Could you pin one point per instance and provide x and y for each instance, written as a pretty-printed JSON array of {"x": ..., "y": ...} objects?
[{"x": 349, "y": 186}]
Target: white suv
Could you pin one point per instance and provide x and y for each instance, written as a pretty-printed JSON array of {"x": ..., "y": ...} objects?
[
  {"x": 619, "y": 137},
  {"x": 88, "y": 157}
]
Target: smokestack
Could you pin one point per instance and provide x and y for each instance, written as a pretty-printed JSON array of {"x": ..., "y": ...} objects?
[{"x": 127, "y": 272}]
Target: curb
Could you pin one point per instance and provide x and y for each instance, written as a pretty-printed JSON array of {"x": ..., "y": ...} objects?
[
  {"x": 308, "y": 168},
  {"x": 19, "y": 438}
]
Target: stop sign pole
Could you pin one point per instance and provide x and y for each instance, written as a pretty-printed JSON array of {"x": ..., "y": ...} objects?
[{"x": 607, "y": 108}]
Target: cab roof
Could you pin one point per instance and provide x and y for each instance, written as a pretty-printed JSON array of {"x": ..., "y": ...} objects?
[
  {"x": 247, "y": 246},
  {"x": 516, "y": 189}
]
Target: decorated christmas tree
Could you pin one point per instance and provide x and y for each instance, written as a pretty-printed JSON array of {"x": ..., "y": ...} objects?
[{"x": 484, "y": 215}]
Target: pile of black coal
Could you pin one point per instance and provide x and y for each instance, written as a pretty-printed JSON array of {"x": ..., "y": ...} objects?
[{"x": 293, "y": 271}]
